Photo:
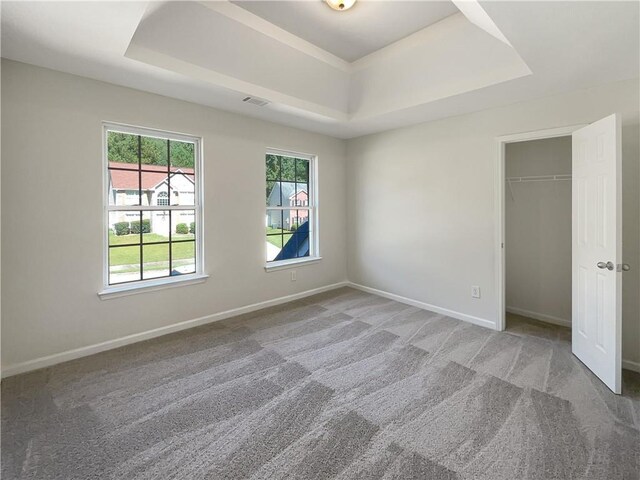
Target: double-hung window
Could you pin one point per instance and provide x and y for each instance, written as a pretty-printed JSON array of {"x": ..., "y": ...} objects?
[
  {"x": 291, "y": 208},
  {"x": 153, "y": 215}
]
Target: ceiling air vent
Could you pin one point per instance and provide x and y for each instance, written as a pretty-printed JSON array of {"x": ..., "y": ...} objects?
[{"x": 261, "y": 102}]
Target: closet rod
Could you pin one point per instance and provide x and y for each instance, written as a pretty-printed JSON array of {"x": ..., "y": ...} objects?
[{"x": 538, "y": 178}]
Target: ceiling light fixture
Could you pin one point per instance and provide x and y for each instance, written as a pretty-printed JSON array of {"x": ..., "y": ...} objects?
[{"x": 340, "y": 5}]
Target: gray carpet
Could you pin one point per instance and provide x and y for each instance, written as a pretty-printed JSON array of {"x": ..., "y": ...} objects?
[{"x": 342, "y": 385}]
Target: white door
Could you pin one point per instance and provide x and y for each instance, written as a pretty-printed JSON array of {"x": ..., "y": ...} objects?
[{"x": 597, "y": 249}]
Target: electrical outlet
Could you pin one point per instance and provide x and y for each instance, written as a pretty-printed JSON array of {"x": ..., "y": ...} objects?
[
  {"x": 475, "y": 291},
  {"x": 293, "y": 276}
]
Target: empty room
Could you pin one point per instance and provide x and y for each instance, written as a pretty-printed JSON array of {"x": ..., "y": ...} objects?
[{"x": 320, "y": 239}]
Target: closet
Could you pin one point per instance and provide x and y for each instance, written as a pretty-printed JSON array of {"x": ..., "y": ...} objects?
[{"x": 538, "y": 230}]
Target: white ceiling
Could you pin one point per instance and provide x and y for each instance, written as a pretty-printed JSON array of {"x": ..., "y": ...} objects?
[
  {"x": 366, "y": 27},
  {"x": 217, "y": 53}
]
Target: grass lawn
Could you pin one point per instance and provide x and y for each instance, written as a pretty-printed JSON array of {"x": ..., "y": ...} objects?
[
  {"x": 152, "y": 253},
  {"x": 277, "y": 239}
]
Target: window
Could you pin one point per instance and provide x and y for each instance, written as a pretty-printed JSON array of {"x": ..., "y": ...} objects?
[
  {"x": 291, "y": 212},
  {"x": 163, "y": 198},
  {"x": 150, "y": 243}
]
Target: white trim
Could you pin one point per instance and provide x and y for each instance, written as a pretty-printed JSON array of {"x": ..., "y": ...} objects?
[
  {"x": 149, "y": 208},
  {"x": 160, "y": 60},
  {"x": 126, "y": 289},
  {"x": 479, "y": 17},
  {"x": 115, "y": 290},
  {"x": 292, "y": 263},
  {"x": 543, "y": 317},
  {"x": 540, "y": 134},
  {"x": 631, "y": 365},
  {"x": 427, "y": 306},
  {"x": 81, "y": 352},
  {"x": 290, "y": 153},
  {"x": 313, "y": 208},
  {"x": 499, "y": 214},
  {"x": 56, "y": 358}
]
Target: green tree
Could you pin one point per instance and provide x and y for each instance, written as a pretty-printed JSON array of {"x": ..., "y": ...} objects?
[{"x": 123, "y": 148}]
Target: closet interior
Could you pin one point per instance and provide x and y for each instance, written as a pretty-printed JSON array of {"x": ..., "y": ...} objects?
[{"x": 538, "y": 231}]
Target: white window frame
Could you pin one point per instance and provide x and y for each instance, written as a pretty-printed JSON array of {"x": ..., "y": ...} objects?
[
  {"x": 119, "y": 290},
  {"x": 312, "y": 207}
]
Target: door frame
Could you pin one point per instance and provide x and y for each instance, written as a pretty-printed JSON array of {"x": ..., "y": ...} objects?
[{"x": 500, "y": 215}]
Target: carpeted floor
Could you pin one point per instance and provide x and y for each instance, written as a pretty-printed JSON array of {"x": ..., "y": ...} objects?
[{"x": 342, "y": 385}]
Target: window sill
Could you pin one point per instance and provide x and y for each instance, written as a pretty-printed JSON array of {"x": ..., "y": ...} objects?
[
  {"x": 151, "y": 286},
  {"x": 284, "y": 264}
]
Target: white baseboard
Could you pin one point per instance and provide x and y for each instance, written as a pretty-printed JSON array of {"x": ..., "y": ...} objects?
[
  {"x": 539, "y": 316},
  {"x": 631, "y": 365},
  {"x": 74, "y": 354},
  {"x": 426, "y": 306},
  {"x": 54, "y": 359}
]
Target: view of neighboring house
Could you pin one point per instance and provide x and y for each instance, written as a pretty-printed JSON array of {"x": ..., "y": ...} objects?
[
  {"x": 158, "y": 188},
  {"x": 288, "y": 194}
]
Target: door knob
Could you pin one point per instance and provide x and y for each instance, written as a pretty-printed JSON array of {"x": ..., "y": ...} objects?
[
  {"x": 608, "y": 265},
  {"x": 623, "y": 267}
]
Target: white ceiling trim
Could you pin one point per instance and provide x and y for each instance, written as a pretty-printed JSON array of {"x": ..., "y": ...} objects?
[
  {"x": 476, "y": 15},
  {"x": 245, "y": 17},
  {"x": 158, "y": 59}
]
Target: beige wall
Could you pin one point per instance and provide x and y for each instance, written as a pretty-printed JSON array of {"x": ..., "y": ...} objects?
[
  {"x": 419, "y": 201},
  {"x": 422, "y": 202},
  {"x": 52, "y": 212},
  {"x": 538, "y": 230}
]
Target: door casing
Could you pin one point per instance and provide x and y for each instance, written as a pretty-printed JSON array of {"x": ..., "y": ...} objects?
[{"x": 500, "y": 215}]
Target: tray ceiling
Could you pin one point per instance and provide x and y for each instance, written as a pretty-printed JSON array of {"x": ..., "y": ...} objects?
[
  {"x": 355, "y": 33},
  {"x": 434, "y": 60}
]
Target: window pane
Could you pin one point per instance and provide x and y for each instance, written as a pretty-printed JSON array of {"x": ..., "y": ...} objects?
[
  {"x": 119, "y": 192},
  {"x": 273, "y": 193},
  {"x": 183, "y": 256},
  {"x": 274, "y": 219},
  {"x": 288, "y": 190},
  {"x": 302, "y": 244},
  {"x": 295, "y": 246},
  {"x": 122, "y": 150},
  {"x": 301, "y": 197},
  {"x": 120, "y": 228},
  {"x": 276, "y": 234},
  {"x": 273, "y": 167},
  {"x": 183, "y": 189},
  {"x": 302, "y": 170},
  {"x": 124, "y": 264},
  {"x": 183, "y": 224},
  {"x": 299, "y": 218},
  {"x": 288, "y": 169},
  {"x": 274, "y": 245},
  {"x": 154, "y": 151},
  {"x": 124, "y": 183},
  {"x": 155, "y": 261},
  {"x": 182, "y": 155},
  {"x": 154, "y": 181},
  {"x": 155, "y": 226}
]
